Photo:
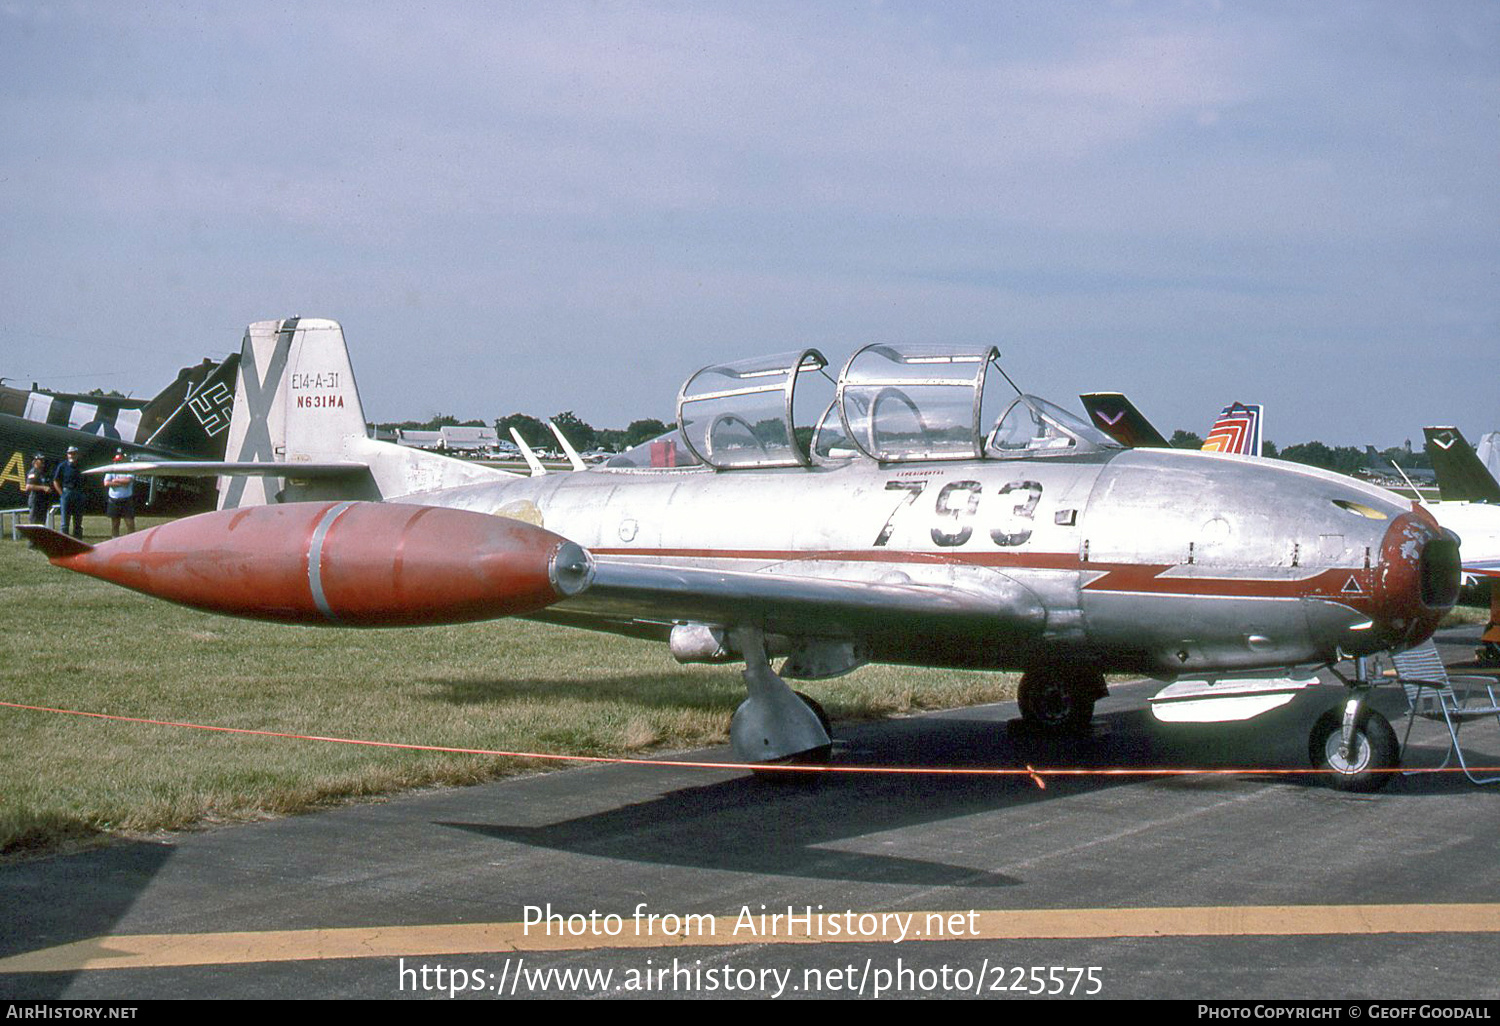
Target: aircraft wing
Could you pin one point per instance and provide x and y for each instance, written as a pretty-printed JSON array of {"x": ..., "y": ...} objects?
[{"x": 625, "y": 590}]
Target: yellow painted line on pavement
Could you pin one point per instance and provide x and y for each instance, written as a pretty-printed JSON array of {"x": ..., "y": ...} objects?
[{"x": 148, "y": 951}]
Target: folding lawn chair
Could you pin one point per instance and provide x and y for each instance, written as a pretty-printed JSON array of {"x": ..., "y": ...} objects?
[{"x": 1430, "y": 694}]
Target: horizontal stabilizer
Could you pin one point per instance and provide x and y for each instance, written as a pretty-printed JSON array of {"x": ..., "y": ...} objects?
[
  {"x": 210, "y": 468},
  {"x": 53, "y": 544}
]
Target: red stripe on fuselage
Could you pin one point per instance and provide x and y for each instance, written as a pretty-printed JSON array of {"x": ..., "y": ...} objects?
[{"x": 1125, "y": 578}]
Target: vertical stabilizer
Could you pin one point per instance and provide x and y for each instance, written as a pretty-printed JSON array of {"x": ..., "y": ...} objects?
[
  {"x": 1461, "y": 477},
  {"x": 1238, "y": 430},
  {"x": 198, "y": 425},
  {"x": 1117, "y": 417},
  {"x": 296, "y": 402},
  {"x": 1488, "y": 451}
]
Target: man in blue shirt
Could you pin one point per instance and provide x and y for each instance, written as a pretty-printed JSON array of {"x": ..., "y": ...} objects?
[{"x": 68, "y": 483}]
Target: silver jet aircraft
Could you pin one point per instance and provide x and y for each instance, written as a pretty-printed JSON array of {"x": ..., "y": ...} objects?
[{"x": 927, "y": 513}]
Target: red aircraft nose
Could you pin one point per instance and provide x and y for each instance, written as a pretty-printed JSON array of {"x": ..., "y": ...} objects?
[
  {"x": 1417, "y": 581},
  {"x": 358, "y": 564}
]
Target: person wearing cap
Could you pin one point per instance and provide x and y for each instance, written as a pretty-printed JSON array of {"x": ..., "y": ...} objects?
[
  {"x": 67, "y": 482},
  {"x": 121, "y": 489},
  {"x": 38, "y": 489}
]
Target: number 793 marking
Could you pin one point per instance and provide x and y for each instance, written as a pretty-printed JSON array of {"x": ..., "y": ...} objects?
[{"x": 958, "y": 504}]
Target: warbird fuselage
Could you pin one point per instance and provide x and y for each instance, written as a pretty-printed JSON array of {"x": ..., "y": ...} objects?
[{"x": 902, "y": 529}]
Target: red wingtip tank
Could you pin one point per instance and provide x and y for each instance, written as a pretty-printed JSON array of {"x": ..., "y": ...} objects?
[{"x": 350, "y": 564}]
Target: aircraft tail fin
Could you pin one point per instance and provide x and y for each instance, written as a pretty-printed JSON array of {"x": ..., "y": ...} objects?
[
  {"x": 192, "y": 415},
  {"x": 1488, "y": 451},
  {"x": 1461, "y": 476},
  {"x": 1117, "y": 417},
  {"x": 1238, "y": 430},
  {"x": 296, "y": 402}
]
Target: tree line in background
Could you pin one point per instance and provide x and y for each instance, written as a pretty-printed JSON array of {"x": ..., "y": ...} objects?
[
  {"x": 1345, "y": 459},
  {"x": 534, "y": 431}
]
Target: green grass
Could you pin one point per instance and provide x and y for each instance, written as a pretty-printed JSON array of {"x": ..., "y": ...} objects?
[{"x": 77, "y": 643}]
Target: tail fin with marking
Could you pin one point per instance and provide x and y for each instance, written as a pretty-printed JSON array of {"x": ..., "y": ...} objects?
[
  {"x": 297, "y": 409},
  {"x": 1461, "y": 476},
  {"x": 1238, "y": 430},
  {"x": 1117, "y": 417}
]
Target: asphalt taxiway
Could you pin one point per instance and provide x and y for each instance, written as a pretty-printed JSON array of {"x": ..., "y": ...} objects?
[{"x": 1247, "y": 885}]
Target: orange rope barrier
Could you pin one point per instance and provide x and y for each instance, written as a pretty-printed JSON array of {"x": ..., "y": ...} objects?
[{"x": 1035, "y": 775}]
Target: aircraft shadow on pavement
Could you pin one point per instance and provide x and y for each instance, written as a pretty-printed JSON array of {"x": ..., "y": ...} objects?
[
  {"x": 787, "y": 828},
  {"x": 70, "y": 898}
]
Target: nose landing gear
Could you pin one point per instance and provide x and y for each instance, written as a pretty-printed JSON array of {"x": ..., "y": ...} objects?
[{"x": 1355, "y": 742}]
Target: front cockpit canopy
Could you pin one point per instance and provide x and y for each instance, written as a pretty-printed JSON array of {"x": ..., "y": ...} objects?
[{"x": 1034, "y": 427}]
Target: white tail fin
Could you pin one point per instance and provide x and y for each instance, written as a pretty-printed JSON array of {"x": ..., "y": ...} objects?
[
  {"x": 537, "y": 470},
  {"x": 296, "y": 402}
]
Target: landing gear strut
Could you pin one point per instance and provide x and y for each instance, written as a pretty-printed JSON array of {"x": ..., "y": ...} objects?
[
  {"x": 1059, "y": 699},
  {"x": 1354, "y": 741},
  {"x": 775, "y": 724}
]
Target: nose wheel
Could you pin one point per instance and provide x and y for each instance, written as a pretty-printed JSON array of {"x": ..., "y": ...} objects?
[
  {"x": 1366, "y": 761},
  {"x": 1354, "y": 741}
]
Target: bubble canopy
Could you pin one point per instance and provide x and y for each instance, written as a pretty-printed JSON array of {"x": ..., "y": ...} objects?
[
  {"x": 915, "y": 402},
  {"x": 741, "y": 414},
  {"x": 892, "y": 404}
]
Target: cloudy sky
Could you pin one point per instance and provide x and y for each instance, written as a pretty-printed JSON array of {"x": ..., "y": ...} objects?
[{"x": 552, "y": 205}]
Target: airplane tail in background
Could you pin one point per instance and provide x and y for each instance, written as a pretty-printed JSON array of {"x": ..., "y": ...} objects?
[
  {"x": 1461, "y": 477},
  {"x": 1488, "y": 451},
  {"x": 297, "y": 414},
  {"x": 1238, "y": 430},
  {"x": 1117, "y": 417},
  {"x": 191, "y": 415}
]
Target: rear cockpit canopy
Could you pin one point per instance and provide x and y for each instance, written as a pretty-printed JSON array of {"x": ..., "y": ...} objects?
[
  {"x": 742, "y": 414},
  {"x": 891, "y": 404}
]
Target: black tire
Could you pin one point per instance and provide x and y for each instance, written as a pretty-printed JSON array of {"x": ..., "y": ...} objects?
[
  {"x": 1059, "y": 699},
  {"x": 1376, "y": 751},
  {"x": 818, "y": 711}
]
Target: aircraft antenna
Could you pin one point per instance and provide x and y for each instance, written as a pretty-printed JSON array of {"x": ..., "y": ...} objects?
[
  {"x": 1007, "y": 378},
  {"x": 1416, "y": 492}
]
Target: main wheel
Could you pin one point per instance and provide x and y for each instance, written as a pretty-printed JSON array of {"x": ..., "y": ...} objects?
[
  {"x": 818, "y": 711},
  {"x": 1059, "y": 699},
  {"x": 813, "y": 757},
  {"x": 1375, "y": 750}
]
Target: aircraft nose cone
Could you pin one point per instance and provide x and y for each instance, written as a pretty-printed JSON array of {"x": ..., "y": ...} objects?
[{"x": 1418, "y": 579}]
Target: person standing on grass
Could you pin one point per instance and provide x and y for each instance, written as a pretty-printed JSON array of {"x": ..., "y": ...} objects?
[
  {"x": 68, "y": 483},
  {"x": 38, "y": 489},
  {"x": 121, "y": 489}
]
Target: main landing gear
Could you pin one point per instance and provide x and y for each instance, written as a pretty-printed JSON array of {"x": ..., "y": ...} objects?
[
  {"x": 1059, "y": 699},
  {"x": 775, "y": 724},
  {"x": 1355, "y": 741}
]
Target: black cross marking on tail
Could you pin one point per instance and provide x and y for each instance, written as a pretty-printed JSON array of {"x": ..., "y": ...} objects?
[{"x": 259, "y": 392}]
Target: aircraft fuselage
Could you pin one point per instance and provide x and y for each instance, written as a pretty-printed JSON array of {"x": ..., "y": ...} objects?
[{"x": 1148, "y": 561}]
